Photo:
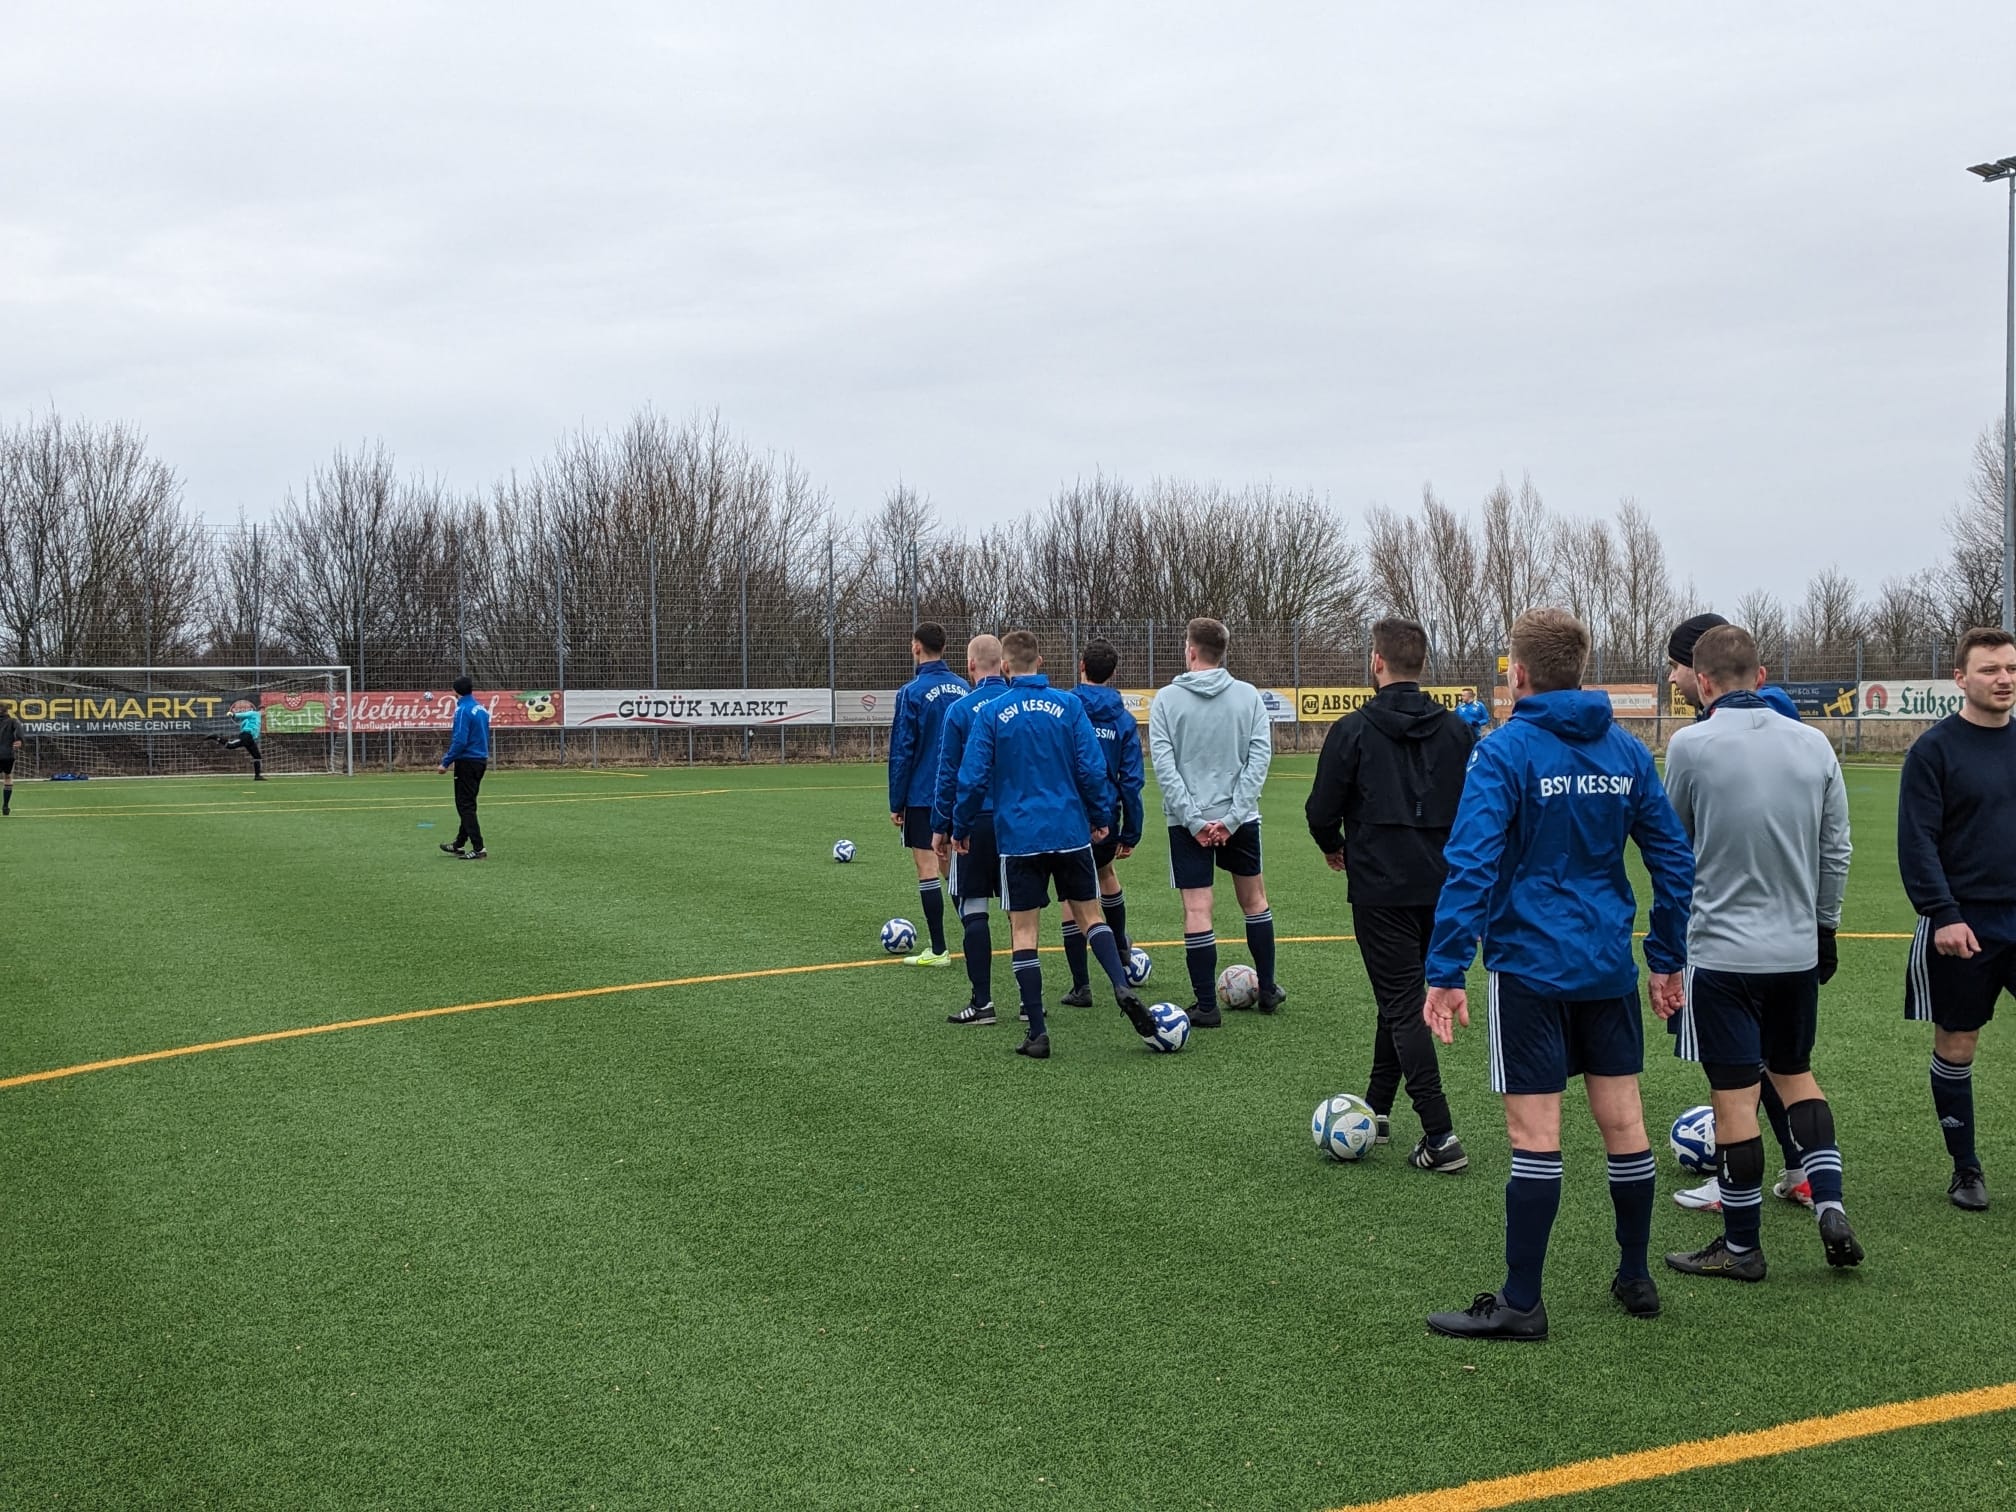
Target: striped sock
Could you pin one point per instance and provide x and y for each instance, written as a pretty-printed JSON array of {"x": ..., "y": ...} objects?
[
  {"x": 1743, "y": 1194},
  {"x": 932, "y": 895},
  {"x": 1260, "y": 941},
  {"x": 1532, "y": 1198},
  {"x": 1200, "y": 954},
  {"x": 1106, "y": 948},
  {"x": 1953, "y": 1101},
  {"x": 1114, "y": 905},
  {"x": 1634, "y": 1181},
  {"x": 1074, "y": 954},
  {"x": 1813, "y": 1126},
  {"x": 1029, "y": 981}
]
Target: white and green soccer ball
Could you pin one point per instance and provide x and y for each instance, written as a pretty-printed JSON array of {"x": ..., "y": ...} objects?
[{"x": 1345, "y": 1127}]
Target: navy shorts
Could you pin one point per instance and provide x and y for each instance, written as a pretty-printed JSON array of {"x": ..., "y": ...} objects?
[
  {"x": 1958, "y": 996},
  {"x": 977, "y": 874},
  {"x": 7, "y": 764},
  {"x": 1192, "y": 865},
  {"x": 1105, "y": 852},
  {"x": 1538, "y": 1042},
  {"x": 917, "y": 829},
  {"x": 1025, "y": 880},
  {"x": 1738, "y": 1019}
]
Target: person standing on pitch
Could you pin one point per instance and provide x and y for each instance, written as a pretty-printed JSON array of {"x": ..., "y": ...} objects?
[
  {"x": 469, "y": 757},
  {"x": 10, "y": 746},
  {"x": 246, "y": 712},
  {"x": 1120, "y": 738},
  {"x": 1791, "y": 1184},
  {"x": 1211, "y": 742},
  {"x": 913, "y": 775},
  {"x": 1536, "y": 870},
  {"x": 1032, "y": 750},
  {"x": 1762, "y": 799},
  {"x": 1473, "y": 711},
  {"x": 975, "y": 877},
  {"x": 1956, "y": 850},
  {"x": 1387, "y": 786}
]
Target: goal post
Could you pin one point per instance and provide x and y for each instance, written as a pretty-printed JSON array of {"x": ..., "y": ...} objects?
[{"x": 170, "y": 721}]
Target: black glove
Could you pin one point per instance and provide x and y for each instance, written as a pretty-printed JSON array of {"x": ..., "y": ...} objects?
[{"x": 1830, "y": 959}]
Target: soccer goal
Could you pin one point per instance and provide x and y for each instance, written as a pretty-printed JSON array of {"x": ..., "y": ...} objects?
[{"x": 173, "y": 721}]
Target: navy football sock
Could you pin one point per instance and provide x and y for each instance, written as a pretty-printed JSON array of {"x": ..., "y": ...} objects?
[
  {"x": 1029, "y": 979},
  {"x": 1106, "y": 950},
  {"x": 1114, "y": 906},
  {"x": 1532, "y": 1198},
  {"x": 1743, "y": 1193},
  {"x": 1200, "y": 954},
  {"x": 1953, "y": 1100},
  {"x": 978, "y": 947},
  {"x": 933, "y": 895},
  {"x": 1774, "y": 1110},
  {"x": 1634, "y": 1181},
  {"x": 1813, "y": 1126},
  {"x": 1074, "y": 954},
  {"x": 1260, "y": 941}
]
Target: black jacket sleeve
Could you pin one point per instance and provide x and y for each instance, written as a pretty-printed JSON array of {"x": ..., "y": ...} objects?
[
  {"x": 1336, "y": 781},
  {"x": 1921, "y": 820}
]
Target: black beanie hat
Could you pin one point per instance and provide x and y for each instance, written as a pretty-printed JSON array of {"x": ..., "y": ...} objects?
[{"x": 1680, "y": 644}]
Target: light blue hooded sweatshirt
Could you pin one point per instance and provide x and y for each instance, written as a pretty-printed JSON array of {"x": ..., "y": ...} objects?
[{"x": 1210, "y": 741}]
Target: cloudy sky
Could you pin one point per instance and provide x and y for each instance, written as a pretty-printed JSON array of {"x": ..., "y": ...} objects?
[{"x": 1720, "y": 257}]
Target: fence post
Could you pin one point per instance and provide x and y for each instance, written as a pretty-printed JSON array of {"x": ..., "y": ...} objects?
[
  {"x": 832, "y": 663},
  {"x": 357, "y": 579},
  {"x": 1858, "y": 695},
  {"x": 1074, "y": 648},
  {"x": 742, "y": 569},
  {"x": 258, "y": 581},
  {"x": 1295, "y": 675},
  {"x": 1599, "y": 666},
  {"x": 651, "y": 587},
  {"x": 560, "y": 638},
  {"x": 1151, "y": 653}
]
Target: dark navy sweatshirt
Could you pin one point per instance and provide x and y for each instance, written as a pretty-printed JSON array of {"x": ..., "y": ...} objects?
[{"x": 1956, "y": 825}]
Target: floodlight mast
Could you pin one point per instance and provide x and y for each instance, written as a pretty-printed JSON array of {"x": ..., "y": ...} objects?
[{"x": 2000, "y": 171}]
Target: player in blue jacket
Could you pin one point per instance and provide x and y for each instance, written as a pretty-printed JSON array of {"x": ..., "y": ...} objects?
[
  {"x": 468, "y": 757},
  {"x": 1536, "y": 871},
  {"x": 1120, "y": 738},
  {"x": 913, "y": 774},
  {"x": 1032, "y": 750},
  {"x": 974, "y": 877},
  {"x": 246, "y": 713}
]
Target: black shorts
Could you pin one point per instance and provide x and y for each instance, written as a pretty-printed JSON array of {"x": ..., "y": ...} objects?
[
  {"x": 1538, "y": 1042},
  {"x": 1105, "y": 852},
  {"x": 977, "y": 874},
  {"x": 1191, "y": 865},
  {"x": 917, "y": 828},
  {"x": 7, "y": 765},
  {"x": 1958, "y": 996},
  {"x": 1025, "y": 880},
  {"x": 1739, "y": 1019}
]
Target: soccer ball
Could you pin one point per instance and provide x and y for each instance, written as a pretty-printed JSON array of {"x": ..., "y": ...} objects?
[
  {"x": 1238, "y": 986},
  {"x": 1693, "y": 1141},
  {"x": 1172, "y": 1029},
  {"x": 1344, "y": 1127},
  {"x": 898, "y": 935},
  {"x": 1139, "y": 967},
  {"x": 843, "y": 851}
]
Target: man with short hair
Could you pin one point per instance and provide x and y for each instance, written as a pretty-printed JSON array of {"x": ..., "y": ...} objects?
[
  {"x": 1033, "y": 751},
  {"x": 1956, "y": 850},
  {"x": 1472, "y": 710},
  {"x": 469, "y": 757},
  {"x": 1211, "y": 741},
  {"x": 1120, "y": 738},
  {"x": 10, "y": 746},
  {"x": 1385, "y": 796},
  {"x": 921, "y": 706},
  {"x": 1762, "y": 799},
  {"x": 1536, "y": 870},
  {"x": 975, "y": 877},
  {"x": 1791, "y": 1185}
]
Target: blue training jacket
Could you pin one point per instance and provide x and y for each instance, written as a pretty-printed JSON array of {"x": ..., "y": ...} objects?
[
  {"x": 952, "y": 748},
  {"x": 1034, "y": 752},
  {"x": 1120, "y": 740},
  {"x": 1536, "y": 858},
  {"x": 921, "y": 705},
  {"x": 1770, "y": 695},
  {"x": 470, "y": 739}
]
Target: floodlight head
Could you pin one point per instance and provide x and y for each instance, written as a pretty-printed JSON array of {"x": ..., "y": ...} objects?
[{"x": 1994, "y": 172}]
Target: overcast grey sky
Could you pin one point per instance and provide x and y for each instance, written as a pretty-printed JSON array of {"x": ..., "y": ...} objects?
[{"x": 1720, "y": 257}]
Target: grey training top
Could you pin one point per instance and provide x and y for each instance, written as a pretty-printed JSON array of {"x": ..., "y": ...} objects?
[{"x": 1762, "y": 799}]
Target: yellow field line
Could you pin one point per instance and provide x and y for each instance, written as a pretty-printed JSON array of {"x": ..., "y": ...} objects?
[{"x": 1700, "y": 1454}]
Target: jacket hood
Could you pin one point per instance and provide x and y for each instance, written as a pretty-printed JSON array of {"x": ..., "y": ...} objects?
[
  {"x": 1572, "y": 713},
  {"x": 1401, "y": 711},
  {"x": 1208, "y": 683},
  {"x": 1100, "y": 693}
]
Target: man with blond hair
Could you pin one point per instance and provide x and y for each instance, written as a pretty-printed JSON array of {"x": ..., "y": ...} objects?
[{"x": 974, "y": 877}]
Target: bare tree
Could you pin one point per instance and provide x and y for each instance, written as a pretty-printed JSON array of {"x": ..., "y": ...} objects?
[
  {"x": 1763, "y": 615},
  {"x": 1904, "y": 620},
  {"x": 1643, "y": 605},
  {"x": 1585, "y": 570},
  {"x": 1831, "y": 618},
  {"x": 1974, "y": 590},
  {"x": 1520, "y": 547}
]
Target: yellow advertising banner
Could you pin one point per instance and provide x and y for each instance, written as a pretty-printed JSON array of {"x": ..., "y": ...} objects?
[
  {"x": 1327, "y": 705},
  {"x": 1280, "y": 703}
]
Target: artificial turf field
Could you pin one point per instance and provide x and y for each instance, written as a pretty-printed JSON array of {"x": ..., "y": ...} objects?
[{"x": 792, "y": 1241}]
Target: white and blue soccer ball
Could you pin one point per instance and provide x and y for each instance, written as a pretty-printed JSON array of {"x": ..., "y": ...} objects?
[
  {"x": 1138, "y": 967},
  {"x": 1172, "y": 1029},
  {"x": 898, "y": 935},
  {"x": 1345, "y": 1127},
  {"x": 1238, "y": 986},
  {"x": 1693, "y": 1140},
  {"x": 843, "y": 851}
]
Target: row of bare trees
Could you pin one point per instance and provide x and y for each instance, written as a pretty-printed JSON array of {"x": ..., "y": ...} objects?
[{"x": 677, "y": 552}]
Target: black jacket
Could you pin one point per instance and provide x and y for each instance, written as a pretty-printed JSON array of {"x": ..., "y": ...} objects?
[{"x": 1387, "y": 786}]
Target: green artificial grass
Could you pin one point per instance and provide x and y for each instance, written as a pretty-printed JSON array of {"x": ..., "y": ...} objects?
[{"x": 795, "y": 1242}]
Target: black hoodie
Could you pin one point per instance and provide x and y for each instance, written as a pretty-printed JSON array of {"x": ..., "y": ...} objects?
[{"x": 1387, "y": 786}]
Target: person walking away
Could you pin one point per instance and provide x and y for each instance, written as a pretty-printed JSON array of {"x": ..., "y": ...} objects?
[{"x": 469, "y": 758}]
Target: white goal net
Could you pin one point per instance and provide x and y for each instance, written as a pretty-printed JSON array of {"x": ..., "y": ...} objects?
[{"x": 176, "y": 721}]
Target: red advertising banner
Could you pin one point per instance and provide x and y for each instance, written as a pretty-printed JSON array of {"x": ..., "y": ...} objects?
[{"x": 374, "y": 713}]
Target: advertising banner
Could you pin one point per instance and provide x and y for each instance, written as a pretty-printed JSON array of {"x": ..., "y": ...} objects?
[
  {"x": 124, "y": 711},
  {"x": 865, "y": 706},
  {"x": 376, "y": 713},
  {"x": 1821, "y": 700},
  {"x": 1327, "y": 705},
  {"x": 657, "y": 707},
  {"x": 1280, "y": 703},
  {"x": 1627, "y": 701},
  {"x": 1908, "y": 698}
]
